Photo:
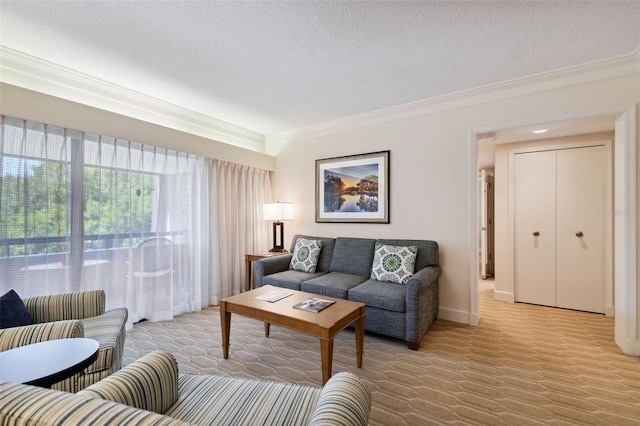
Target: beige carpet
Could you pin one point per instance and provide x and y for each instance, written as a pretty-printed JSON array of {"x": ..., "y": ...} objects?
[{"x": 522, "y": 364}]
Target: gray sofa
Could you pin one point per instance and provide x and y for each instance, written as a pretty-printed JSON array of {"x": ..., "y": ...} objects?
[{"x": 402, "y": 311}]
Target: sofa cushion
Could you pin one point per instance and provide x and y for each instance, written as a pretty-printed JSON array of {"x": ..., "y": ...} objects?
[
  {"x": 393, "y": 263},
  {"x": 353, "y": 256},
  {"x": 305, "y": 255},
  {"x": 19, "y": 336},
  {"x": 13, "y": 312},
  {"x": 58, "y": 307},
  {"x": 326, "y": 252},
  {"x": 334, "y": 284},
  {"x": 380, "y": 294},
  {"x": 289, "y": 279},
  {"x": 235, "y": 401}
]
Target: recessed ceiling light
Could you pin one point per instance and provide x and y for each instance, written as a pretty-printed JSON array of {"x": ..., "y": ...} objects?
[{"x": 540, "y": 131}]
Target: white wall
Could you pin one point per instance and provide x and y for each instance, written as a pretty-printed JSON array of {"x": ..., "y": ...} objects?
[{"x": 431, "y": 170}]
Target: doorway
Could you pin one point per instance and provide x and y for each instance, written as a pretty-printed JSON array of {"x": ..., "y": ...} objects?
[
  {"x": 625, "y": 282},
  {"x": 561, "y": 236},
  {"x": 485, "y": 194}
]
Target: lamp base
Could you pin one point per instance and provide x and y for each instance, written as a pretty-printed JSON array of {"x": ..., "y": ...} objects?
[{"x": 278, "y": 246}]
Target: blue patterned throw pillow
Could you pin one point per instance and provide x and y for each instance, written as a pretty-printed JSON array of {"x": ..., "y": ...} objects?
[
  {"x": 305, "y": 255},
  {"x": 393, "y": 263}
]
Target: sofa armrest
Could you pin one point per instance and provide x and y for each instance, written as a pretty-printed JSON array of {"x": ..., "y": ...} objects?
[
  {"x": 150, "y": 383},
  {"x": 422, "y": 279},
  {"x": 344, "y": 400},
  {"x": 422, "y": 303},
  {"x": 271, "y": 265},
  {"x": 59, "y": 307},
  {"x": 14, "y": 337},
  {"x": 108, "y": 330}
]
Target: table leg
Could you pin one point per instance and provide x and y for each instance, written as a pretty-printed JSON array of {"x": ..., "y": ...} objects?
[
  {"x": 225, "y": 326},
  {"x": 359, "y": 340},
  {"x": 267, "y": 328},
  {"x": 326, "y": 353},
  {"x": 247, "y": 284}
]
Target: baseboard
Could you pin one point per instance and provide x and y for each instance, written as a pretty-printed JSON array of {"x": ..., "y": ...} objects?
[
  {"x": 629, "y": 346},
  {"x": 454, "y": 315},
  {"x": 610, "y": 311},
  {"x": 474, "y": 319},
  {"x": 503, "y": 296}
]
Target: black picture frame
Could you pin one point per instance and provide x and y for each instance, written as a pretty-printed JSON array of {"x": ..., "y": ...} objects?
[{"x": 353, "y": 189}]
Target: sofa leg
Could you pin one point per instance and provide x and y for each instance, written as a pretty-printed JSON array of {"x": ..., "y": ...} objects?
[{"x": 413, "y": 345}]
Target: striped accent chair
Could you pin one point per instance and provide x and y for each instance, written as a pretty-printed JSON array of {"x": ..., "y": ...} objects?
[
  {"x": 151, "y": 391},
  {"x": 71, "y": 315}
]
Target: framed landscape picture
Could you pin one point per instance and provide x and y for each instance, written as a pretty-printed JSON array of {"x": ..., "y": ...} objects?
[{"x": 353, "y": 188}]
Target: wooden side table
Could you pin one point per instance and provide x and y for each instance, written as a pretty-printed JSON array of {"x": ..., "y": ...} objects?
[{"x": 252, "y": 257}]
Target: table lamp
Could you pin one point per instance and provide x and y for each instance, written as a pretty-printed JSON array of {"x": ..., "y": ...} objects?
[{"x": 278, "y": 212}]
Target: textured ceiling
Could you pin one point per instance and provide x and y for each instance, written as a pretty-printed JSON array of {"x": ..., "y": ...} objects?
[{"x": 276, "y": 66}]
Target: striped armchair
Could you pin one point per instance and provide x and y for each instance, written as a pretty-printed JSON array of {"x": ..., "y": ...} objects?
[
  {"x": 70, "y": 315},
  {"x": 151, "y": 391}
]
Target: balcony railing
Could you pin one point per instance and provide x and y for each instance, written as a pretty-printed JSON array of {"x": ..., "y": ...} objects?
[
  {"x": 104, "y": 241},
  {"x": 106, "y": 263}
]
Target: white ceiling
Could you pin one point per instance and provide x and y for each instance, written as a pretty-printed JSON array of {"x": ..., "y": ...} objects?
[{"x": 274, "y": 66}]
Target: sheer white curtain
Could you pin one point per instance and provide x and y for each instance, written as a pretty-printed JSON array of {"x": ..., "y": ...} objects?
[
  {"x": 36, "y": 207},
  {"x": 237, "y": 194},
  {"x": 162, "y": 232},
  {"x": 146, "y": 205},
  {"x": 82, "y": 212}
]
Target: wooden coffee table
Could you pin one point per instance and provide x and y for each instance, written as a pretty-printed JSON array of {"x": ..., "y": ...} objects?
[{"x": 323, "y": 325}]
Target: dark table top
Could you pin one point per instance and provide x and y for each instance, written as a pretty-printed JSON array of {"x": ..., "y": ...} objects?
[{"x": 46, "y": 363}]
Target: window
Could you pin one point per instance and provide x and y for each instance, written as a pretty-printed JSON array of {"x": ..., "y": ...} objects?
[
  {"x": 162, "y": 232},
  {"x": 76, "y": 208}
]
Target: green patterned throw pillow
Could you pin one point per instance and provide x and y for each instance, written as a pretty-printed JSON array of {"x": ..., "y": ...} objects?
[
  {"x": 394, "y": 263},
  {"x": 305, "y": 255}
]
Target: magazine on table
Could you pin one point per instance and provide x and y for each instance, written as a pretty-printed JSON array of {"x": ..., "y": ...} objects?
[
  {"x": 314, "y": 304},
  {"x": 273, "y": 295}
]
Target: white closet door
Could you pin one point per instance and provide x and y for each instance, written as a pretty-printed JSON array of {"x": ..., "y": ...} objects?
[
  {"x": 535, "y": 228},
  {"x": 580, "y": 229}
]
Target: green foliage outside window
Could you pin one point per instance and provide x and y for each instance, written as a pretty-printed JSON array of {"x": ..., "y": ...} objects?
[
  {"x": 117, "y": 202},
  {"x": 36, "y": 203}
]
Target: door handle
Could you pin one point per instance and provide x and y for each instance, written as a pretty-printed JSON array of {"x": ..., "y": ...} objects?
[
  {"x": 579, "y": 234},
  {"x": 536, "y": 233}
]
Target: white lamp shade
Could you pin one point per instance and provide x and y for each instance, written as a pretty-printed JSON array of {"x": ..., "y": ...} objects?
[{"x": 278, "y": 211}]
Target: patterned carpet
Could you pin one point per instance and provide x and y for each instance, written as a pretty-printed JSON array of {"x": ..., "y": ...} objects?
[{"x": 522, "y": 364}]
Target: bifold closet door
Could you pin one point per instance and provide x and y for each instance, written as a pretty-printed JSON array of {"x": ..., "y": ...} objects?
[
  {"x": 580, "y": 229},
  {"x": 559, "y": 228},
  {"x": 535, "y": 228}
]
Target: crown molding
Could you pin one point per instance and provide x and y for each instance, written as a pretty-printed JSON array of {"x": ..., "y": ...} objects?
[
  {"x": 32, "y": 73},
  {"x": 582, "y": 74}
]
